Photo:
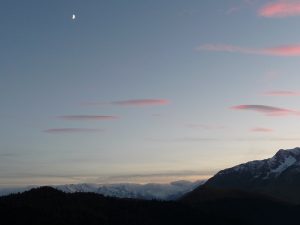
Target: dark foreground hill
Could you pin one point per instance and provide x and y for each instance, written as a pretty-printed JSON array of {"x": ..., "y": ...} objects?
[{"x": 47, "y": 206}]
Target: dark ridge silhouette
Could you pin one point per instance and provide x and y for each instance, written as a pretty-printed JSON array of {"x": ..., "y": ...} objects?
[
  {"x": 249, "y": 207},
  {"x": 48, "y": 206},
  {"x": 205, "y": 193}
]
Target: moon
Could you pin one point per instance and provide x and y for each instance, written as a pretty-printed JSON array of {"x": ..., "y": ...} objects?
[{"x": 73, "y": 17}]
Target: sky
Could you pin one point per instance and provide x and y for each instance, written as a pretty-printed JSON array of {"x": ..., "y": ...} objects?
[{"x": 144, "y": 91}]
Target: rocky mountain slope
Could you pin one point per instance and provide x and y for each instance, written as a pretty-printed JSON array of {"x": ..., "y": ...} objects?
[{"x": 278, "y": 176}]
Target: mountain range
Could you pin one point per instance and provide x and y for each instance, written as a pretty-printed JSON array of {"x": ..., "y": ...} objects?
[
  {"x": 166, "y": 191},
  {"x": 260, "y": 192},
  {"x": 277, "y": 177},
  {"x": 49, "y": 206}
]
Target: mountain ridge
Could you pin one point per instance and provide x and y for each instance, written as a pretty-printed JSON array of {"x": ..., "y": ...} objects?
[
  {"x": 49, "y": 206},
  {"x": 278, "y": 176},
  {"x": 167, "y": 191}
]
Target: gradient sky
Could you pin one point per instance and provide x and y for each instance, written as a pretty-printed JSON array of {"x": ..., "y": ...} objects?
[{"x": 144, "y": 91}]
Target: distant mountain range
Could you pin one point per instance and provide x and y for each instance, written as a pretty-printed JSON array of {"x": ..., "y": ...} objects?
[
  {"x": 277, "y": 177},
  {"x": 169, "y": 191},
  {"x": 262, "y": 192}
]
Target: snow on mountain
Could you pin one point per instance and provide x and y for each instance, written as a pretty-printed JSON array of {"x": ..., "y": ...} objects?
[
  {"x": 288, "y": 161},
  {"x": 149, "y": 191},
  {"x": 278, "y": 176},
  {"x": 268, "y": 168},
  {"x": 168, "y": 191}
]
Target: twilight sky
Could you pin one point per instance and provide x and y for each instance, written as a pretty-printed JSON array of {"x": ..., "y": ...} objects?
[{"x": 145, "y": 91}]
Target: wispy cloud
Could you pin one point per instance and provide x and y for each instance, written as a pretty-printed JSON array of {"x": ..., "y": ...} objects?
[
  {"x": 87, "y": 117},
  {"x": 267, "y": 110},
  {"x": 103, "y": 104},
  {"x": 271, "y": 76},
  {"x": 241, "y": 5},
  {"x": 170, "y": 177},
  {"x": 261, "y": 129},
  {"x": 269, "y": 139},
  {"x": 282, "y": 93},
  {"x": 205, "y": 126},
  {"x": 131, "y": 102},
  {"x": 280, "y": 9},
  {"x": 72, "y": 130},
  {"x": 232, "y": 10},
  {"x": 141, "y": 102},
  {"x": 195, "y": 139},
  {"x": 156, "y": 114},
  {"x": 5, "y": 155},
  {"x": 183, "y": 139},
  {"x": 283, "y": 50},
  {"x": 189, "y": 12},
  {"x": 163, "y": 177},
  {"x": 250, "y": 2}
]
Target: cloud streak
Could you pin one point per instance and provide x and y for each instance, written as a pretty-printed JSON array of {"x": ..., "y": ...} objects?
[
  {"x": 261, "y": 129},
  {"x": 267, "y": 110},
  {"x": 182, "y": 139},
  {"x": 280, "y": 9},
  {"x": 205, "y": 126},
  {"x": 141, "y": 102},
  {"x": 282, "y": 93},
  {"x": 283, "y": 50},
  {"x": 71, "y": 130},
  {"x": 87, "y": 117},
  {"x": 242, "y": 5},
  {"x": 232, "y": 10}
]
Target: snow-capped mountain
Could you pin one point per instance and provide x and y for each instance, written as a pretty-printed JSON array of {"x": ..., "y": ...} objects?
[
  {"x": 170, "y": 191},
  {"x": 278, "y": 176}
]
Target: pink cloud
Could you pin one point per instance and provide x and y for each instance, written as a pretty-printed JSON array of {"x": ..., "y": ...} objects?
[
  {"x": 282, "y": 93},
  {"x": 280, "y": 8},
  {"x": 71, "y": 130},
  {"x": 261, "y": 129},
  {"x": 284, "y": 50},
  {"x": 87, "y": 117},
  {"x": 141, "y": 102},
  {"x": 267, "y": 110}
]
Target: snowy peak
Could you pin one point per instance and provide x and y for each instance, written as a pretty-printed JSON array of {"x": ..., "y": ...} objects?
[
  {"x": 271, "y": 167},
  {"x": 278, "y": 176},
  {"x": 168, "y": 191},
  {"x": 284, "y": 159}
]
